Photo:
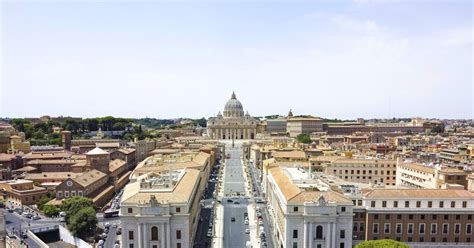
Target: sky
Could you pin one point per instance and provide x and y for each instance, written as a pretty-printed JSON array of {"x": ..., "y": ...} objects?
[{"x": 170, "y": 59}]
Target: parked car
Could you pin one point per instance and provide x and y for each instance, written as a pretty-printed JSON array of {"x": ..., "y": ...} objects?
[
  {"x": 247, "y": 231},
  {"x": 232, "y": 219}
]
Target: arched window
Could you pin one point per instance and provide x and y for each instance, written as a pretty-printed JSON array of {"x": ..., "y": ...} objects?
[
  {"x": 319, "y": 232},
  {"x": 154, "y": 233}
]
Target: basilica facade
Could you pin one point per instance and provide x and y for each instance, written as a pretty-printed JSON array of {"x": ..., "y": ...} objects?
[{"x": 233, "y": 124}]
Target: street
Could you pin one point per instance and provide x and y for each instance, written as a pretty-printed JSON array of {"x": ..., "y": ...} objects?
[{"x": 234, "y": 191}]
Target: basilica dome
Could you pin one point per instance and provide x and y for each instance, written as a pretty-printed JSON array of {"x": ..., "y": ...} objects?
[{"x": 233, "y": 107}]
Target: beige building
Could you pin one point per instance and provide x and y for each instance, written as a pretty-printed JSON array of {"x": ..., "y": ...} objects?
[
  {"x": 233, "y": 124},
  {"x": 22, "y": 192},
  {"x": 419, "y": 217},
  {"x": 306, "y": 125},
  {"x": 425, "y": 177},
  {"x": 375, "y": 171},
  {"x": 161, "y": 209},
  {"x": 305, "y": 213}
]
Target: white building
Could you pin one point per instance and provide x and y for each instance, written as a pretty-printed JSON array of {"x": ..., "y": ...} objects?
[
  {"x": 233, "y": 124},
  {"x": 161, "y": 210},
  {"x": 306, "y": 214}
]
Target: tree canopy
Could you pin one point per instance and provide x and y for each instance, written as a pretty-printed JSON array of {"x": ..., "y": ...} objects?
[
  {"x": 382, "y": 243},
  {"x": 303, "y": 138},
  {"x": 81, "y": 217}
]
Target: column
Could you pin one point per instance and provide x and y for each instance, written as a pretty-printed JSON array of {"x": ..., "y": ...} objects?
[
  {"x": 140, "y": 235},
  {"x": 333, "y": 225},
  {"x": 311, "y": 231},
  {"x": 162, "y": 235},
  {"x": 168, "y": 235},
  {"x": 328, "y": 235},
  {"x": 145, "y": 230},
  {"x": 306, "y": 235}
]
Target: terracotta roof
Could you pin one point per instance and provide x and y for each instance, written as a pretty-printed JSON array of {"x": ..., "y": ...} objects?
[
  {"x": 96, "y": 151},
  {"x": 51, "y": 161},
  {"x": 116, "y": 164},
  {"x": 88, "y": 178},
  {"x": 47, "y": 155},
  {"x": 126, "y": 150},
  {"x": 288, "y": 189},
  {"x": 363, "y": 161},
  {"x": 289, "y": 154},
  {"x": 419, "y": 193},
  {"x": 108, "y": 145},
  {"x": 418, "y": 167},
  {"x": 6, "y": 157},
  {"x": 52, "y": 175}
]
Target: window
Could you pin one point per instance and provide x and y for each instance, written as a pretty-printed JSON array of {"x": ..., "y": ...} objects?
[
  {"x": 178, "y": 245},
  {"x": 433, "y": 228},
  {"x": 434, "y": 216},
  {"x": 399, "y": 216},
  {"x": 386, "y": 228},
  {"x": 361, "y": 227},
  {"x": 375, "y": 228},
  {"x": 422, "y": 228},
  {"x": 453, "y": 204},
  {"x": 60, "y": 194},
  {"x": 130, "y": 210},
  {"x": 79, "y": 192},
  {"x": 430, "y": 204},
  {"x": 178, "y": 210},
  {"x": 319, "y": 232},
  {"x": 295, "y": 245},
  {"x": 341, "y": 245},
  {"x": 469, "y": 216},
  {"x": 384, "y": 204},
  {"x": 418, "y": 204},
  {"x": 295, "y": 209},
  {"x": 446, "y": 217},
  {"x": 433, "y": 239},
  {"x": 457, "y": 228},
  {"x": 399, "y": 228},
  {"x": 464, "y": 204},
  {"x": 410, "y": 239},
  {"x": 445, "y": 240},
  {"x": 387, "y": 216},
  {"x": 422, "y": 239},
  {"x": 295, "y": 234},
  {"x": 130, "y": 235},
  {"x": 66, "y": 194},
  {"x": 154, "y": 233},
  {"x": 178, "y": 234},
  {"x": 342, "y": 234},
  {"x": 468, "y": 228},
  {"x": 73, "y": 193},
  {"x": 445, "y": 228},
  {"x": 372, "y": 204},
  {"x": 130, "y": 246},
  {"x": 410, "y": 228},
  {"x": 410, "y": 216},
  {"x": 359, "y": 202},
  {"x": 395, "y": 204},
  {"x": 376, "y": 216},
  {"x": 441, "y": 204},
  {"x": 407, "y": 204},
  {"x": 355, "y": 227},
  {"x": 343, "y": 209},
  {"x": 422, "y": 216},
  {"x": 458, "y": 217}
]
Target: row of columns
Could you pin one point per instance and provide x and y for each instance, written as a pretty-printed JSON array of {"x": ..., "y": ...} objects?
[
  {"x": 328, "y": 238},
  {"x": 229, "y": 133},
  {"x": 144, "y": 235}
]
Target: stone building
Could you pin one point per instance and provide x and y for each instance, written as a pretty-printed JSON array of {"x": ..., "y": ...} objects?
[{"x": 233, "y": 124}]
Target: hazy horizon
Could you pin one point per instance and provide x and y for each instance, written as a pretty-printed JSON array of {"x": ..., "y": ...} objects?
[{"x": 342, "y": 59}]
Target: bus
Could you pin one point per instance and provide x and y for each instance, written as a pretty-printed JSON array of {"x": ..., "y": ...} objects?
[{"x": 109, "y": 213}]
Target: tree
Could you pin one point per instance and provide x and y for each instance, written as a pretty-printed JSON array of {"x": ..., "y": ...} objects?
[
  {"x": 72, "y": 205},
  {"x": 303, "y": 138},
  {"x": 50, "y": 210},
  {"x": 385, "y": 243},
  {"x": 83, "y": 222}
]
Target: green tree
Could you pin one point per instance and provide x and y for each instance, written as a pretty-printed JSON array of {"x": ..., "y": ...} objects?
[
  {"x": 72, "y": 205},
  {"x": 83, "y": 222},
  {"x": 50, "y": 210},
  {"x": 384, "y": 243},
  {"x": 303, "y": 138},
  {"x": 42, "y": 201}
]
